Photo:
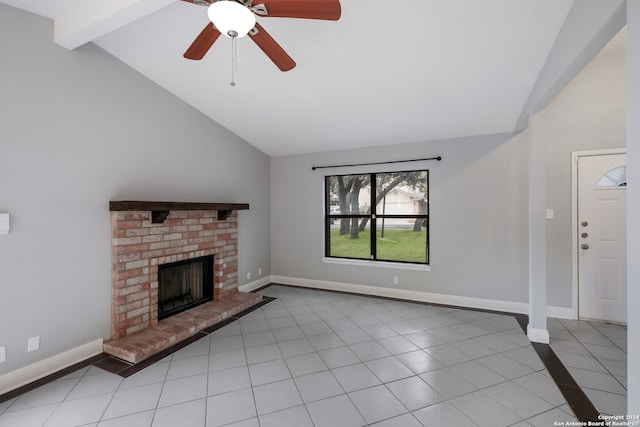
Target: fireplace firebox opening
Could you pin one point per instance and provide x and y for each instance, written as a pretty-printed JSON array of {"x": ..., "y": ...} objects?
[{"x": 184, "y": 284}]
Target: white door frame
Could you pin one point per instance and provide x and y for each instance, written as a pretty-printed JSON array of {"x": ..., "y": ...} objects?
[{"x": 575, "y": 155}]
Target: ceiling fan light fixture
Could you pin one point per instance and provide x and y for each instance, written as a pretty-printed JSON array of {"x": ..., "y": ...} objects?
[{"x": 231, "y": 18}]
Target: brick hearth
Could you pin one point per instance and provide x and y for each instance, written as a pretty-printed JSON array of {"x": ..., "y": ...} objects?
[
  {"x": 147, "y": 342},
  {"x": 144, "y": 239}
]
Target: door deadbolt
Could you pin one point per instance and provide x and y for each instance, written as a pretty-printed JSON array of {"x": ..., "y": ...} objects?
[
  {"x": 583, "y": 235},
  {"x": 584, "y": 246},
  {"x": 585, "y": 223}
]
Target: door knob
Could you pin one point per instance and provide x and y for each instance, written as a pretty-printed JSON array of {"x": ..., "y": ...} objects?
[{"x": 584, "y": 246}]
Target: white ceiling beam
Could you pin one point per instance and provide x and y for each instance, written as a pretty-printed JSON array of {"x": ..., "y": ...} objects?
[
  {"x": 589, "y": 26},
  {"x": 91, "y": 19}
]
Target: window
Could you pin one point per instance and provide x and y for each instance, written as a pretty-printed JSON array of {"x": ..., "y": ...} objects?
[
  {"x": 615, "y": 178},
  {"x": 396, "y": 229}
]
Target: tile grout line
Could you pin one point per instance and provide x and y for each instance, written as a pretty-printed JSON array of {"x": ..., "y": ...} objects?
[
  {"x": 561, "y": 376},
  {"x": 572, "y": 400},
  {"x": 52, "y": 377},
  {"x": 385, "y": 384},
  {"x": 596, "y": 358},
  {"x": 126, "y": 369},
  {"x": 579, "y": 402}
]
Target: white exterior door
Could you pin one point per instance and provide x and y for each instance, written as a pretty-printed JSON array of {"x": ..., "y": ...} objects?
[{"x": 602, "y": 270}]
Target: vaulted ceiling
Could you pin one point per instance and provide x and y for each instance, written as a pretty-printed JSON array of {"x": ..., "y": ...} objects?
[{"x": 384, "y": 73}]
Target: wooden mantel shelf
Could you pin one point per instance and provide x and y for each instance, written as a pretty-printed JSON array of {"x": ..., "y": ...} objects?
[{"x": 160, "y": 210}]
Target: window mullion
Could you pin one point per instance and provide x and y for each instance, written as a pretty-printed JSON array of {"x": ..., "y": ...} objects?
[{"x": 372, "y": 216}]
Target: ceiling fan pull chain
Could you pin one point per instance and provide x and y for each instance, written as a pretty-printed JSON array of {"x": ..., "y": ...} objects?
[{"x": 234, "y": 36}]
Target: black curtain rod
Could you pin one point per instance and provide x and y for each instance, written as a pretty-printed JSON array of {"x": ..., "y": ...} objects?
[{"x": 377, "y": 163}]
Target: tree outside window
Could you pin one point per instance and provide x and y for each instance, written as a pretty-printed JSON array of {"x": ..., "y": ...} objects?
[{"x": 378, "y": 216}]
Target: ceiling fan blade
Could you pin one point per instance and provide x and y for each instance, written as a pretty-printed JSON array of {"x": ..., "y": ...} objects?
[
  {"x": 202, "y": 43},
  {"x": 311, "y": 9},
  {"x": 272, "y": 48}
]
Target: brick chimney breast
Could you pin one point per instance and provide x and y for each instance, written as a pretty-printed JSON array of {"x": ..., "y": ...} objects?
[{"x": 139, "y": 245}]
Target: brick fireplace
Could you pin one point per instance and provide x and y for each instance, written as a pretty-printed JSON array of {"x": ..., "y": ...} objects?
[{"x": 145, "y": 235}]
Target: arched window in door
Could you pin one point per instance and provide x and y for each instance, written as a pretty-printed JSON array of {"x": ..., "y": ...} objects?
[{"x": 614, "y": 178}]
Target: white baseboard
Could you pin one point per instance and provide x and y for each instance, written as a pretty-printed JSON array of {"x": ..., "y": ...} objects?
[
  {"x": 560, "y": 312},
  {"x": 537, "y": 335},
  {"x": 455, "y": 300},
  {"x": 41, "y": 369},
  {"x": 251, "y": 286}
]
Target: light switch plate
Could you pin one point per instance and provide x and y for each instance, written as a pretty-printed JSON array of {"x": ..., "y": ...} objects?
[
  {"x": 4, "y": 223},
  {"x": 549, "y": 213},
  {"x": 3, "y": 353}
]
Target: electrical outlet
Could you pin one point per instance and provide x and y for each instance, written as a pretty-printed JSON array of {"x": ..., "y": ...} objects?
[
  {"x": 3, "y": 353},
  {"x": 33, "y": 343},
  {"x": 249, "y": 276},
  {"x": 395, "y": 280},
  {"x": 259, "y": 271}
]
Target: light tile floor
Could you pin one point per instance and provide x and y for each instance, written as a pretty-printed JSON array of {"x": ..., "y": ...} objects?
[
  {"x": 314, "y": 358},
  {"x": 595, "y": 353}
]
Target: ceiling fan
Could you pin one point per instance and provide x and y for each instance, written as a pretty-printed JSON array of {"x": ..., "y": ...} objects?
[{"x": 236, "y": 18}]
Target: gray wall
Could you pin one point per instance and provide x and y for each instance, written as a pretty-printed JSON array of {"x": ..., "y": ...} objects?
[
  {"x": 588, "y": 27},
  {"x": 78, "y": 129},
  {"x": 478, "y": 199},
  {"x": 588, "y": 114},
  {"x": 478, "y": 216},
  {"x": 67, "y": 118}
]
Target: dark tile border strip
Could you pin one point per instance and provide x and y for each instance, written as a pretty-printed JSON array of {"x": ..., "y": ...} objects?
[
  {"x": 51, "y": 377},
  {"x": 579, "y": 402},
  {"x": 126, "y": 369},
  {"x": 256, "y": 290}
]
